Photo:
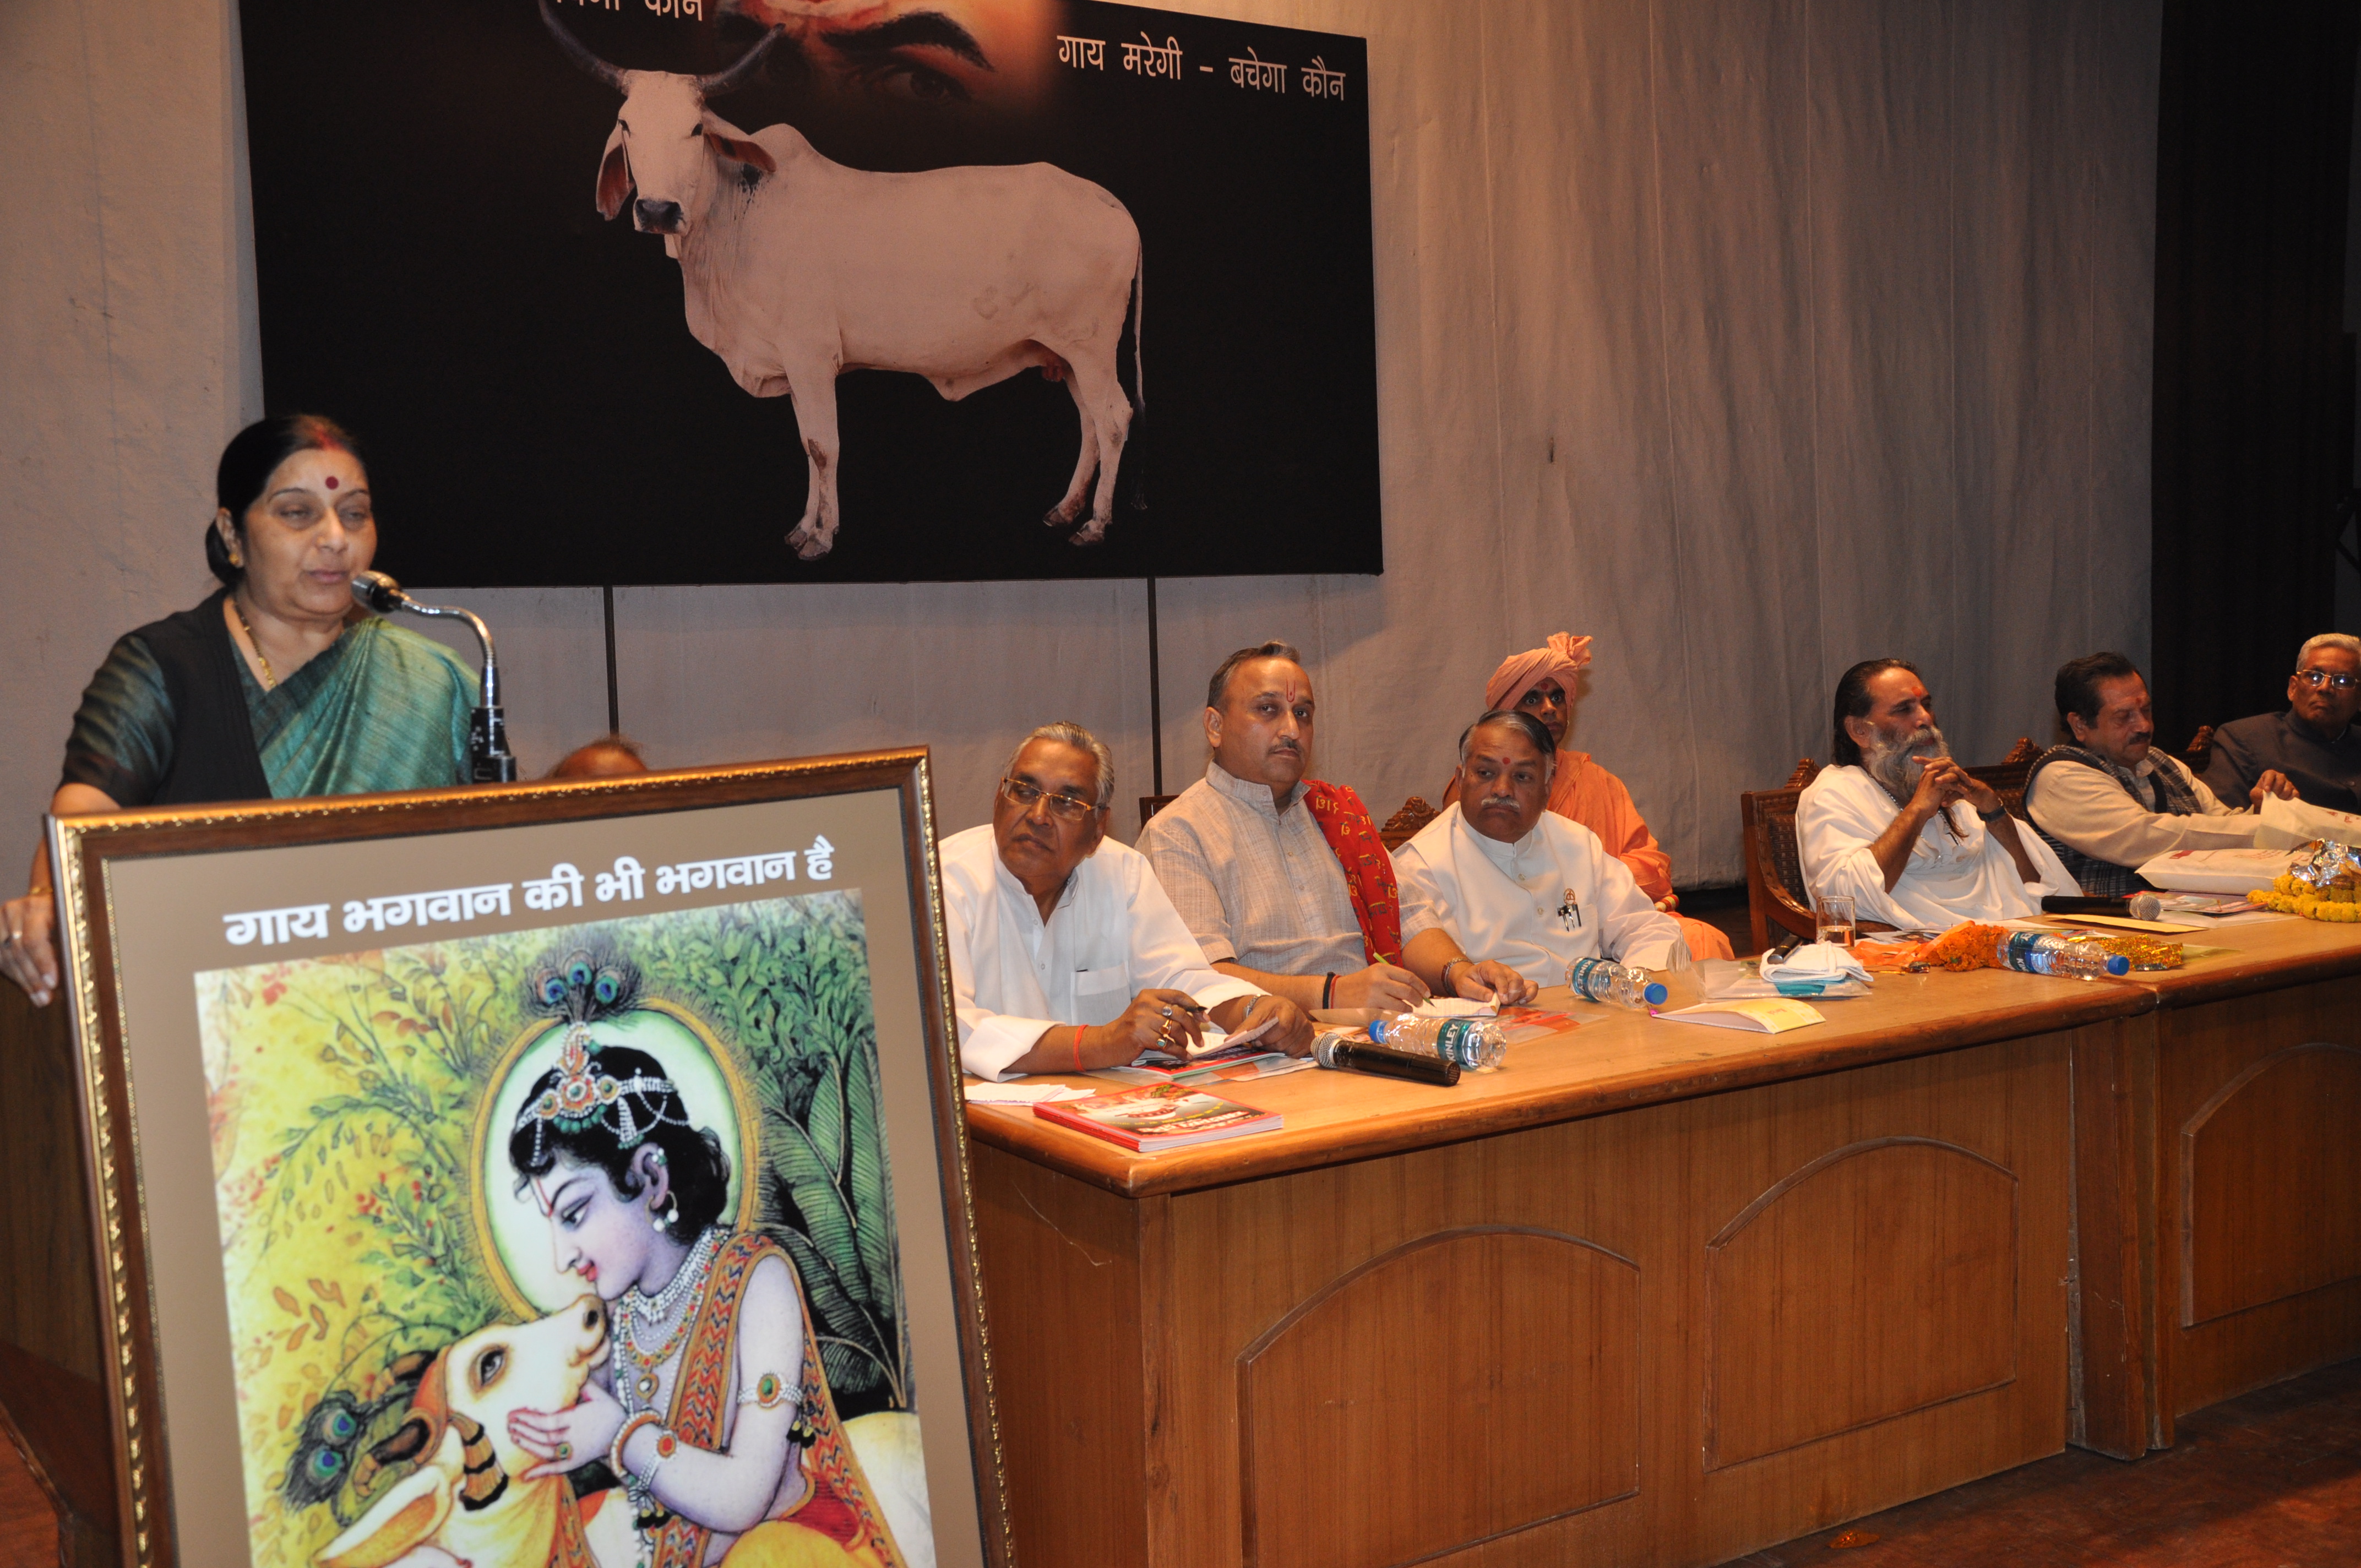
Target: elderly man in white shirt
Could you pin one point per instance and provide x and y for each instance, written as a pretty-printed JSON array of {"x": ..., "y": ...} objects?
[
  {"x": 1884, "y": 824},
  {"x": 1524, "y": 889},
  {"x": 1066, "y": 955},
  {"x": 2108, "y": 802}
]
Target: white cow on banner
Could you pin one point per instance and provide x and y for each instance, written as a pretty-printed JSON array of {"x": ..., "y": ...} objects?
[{"x": 798, "y": 269}]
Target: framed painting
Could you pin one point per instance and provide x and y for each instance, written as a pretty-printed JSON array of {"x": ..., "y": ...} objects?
[
  {"x": 879, "y": 301},
  {"x": 566, "y": 1174}
]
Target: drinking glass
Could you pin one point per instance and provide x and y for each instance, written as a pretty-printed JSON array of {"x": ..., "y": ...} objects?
[{"x": 1832, "y": 919}]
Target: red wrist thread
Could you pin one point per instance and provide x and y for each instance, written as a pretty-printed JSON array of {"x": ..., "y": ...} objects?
[{"x": 1078, "y": 1046}]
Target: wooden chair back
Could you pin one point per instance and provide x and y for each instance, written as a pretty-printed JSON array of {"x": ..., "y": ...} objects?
[
  {"x": 2201, "y": 750},
  {"x": 1403, "y": 825},
  {"x": 1149, "y": 804},
  {"x": 1776, "y": 900},
  {"x": 2008, "y": 776}
]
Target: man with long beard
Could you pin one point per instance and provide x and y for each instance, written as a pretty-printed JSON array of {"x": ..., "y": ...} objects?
[{"x": 1916, "y": 841}]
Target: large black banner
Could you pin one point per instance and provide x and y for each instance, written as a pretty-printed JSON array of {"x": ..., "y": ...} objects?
[{"x": 883, "y": 288}]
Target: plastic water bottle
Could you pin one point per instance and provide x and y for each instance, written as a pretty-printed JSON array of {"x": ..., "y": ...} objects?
[
  {"x": 2048, "y": 952},
  {"x": 1622, "y": 985},
  {"x": 1476, "y": 1044}
]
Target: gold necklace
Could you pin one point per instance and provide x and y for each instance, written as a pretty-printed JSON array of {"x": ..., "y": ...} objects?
[{"x": 261, "y": 658}]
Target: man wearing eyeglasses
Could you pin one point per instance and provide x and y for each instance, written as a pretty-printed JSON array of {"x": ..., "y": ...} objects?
[
  {"x": 1066, "y": 955},
  {"x": 2314, "y": 744},
  {"x": 2108, "y": 802}
]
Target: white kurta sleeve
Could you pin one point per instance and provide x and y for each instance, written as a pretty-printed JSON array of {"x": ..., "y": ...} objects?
[
  {"x": 1631, "y": 929},
  {"x": 2209, "y": 803},
  {"x": 1414, "y": 879},
  {"x": 2056, "y": 880},
  {"x": 1420, "y": 911},
  {"x": 989, "y": 1040},
  {"x": 2088, "y": 809},
  {"x": 1163, "y": 954},
  {"x": 1833, "y": 834}
]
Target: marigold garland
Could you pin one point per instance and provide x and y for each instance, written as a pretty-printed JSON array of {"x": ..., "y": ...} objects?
[
  {"x": 2291, "y": 894},
  {"x": 1965, "y": 947}
]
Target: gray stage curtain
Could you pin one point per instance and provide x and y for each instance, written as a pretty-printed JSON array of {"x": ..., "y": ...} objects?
[{"x": 1751, "y": 336}]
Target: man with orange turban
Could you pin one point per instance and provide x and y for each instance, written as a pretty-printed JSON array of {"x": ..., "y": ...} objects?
[{"x": 1541, "y": 682}]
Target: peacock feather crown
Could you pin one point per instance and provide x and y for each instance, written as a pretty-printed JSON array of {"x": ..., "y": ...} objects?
[{"x": 590, "y": 984}]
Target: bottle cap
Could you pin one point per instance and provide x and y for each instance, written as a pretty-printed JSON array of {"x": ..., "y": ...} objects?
[
  {"x": 1656, "y": 993},
  {"x": 2118, "y": 964}
]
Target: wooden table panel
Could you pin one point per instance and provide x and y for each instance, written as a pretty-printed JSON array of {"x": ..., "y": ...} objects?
[
  {"x": 49, "y": 1360},
  {"x": 54, "y": 1313},
  {"x": 2115, "y": 1406},
  {"x": 2270, "y": 1183},
  {"x": 1068, "y": 1328},
  {"x": 2258, "y": 1189},
  {"x": 1925, "y": 1235},
  {"x": 1532, "y": 1336},
  {"x": 1639, "y": 1194}
]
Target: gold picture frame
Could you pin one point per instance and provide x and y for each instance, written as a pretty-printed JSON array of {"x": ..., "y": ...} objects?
[{"x": 215, "y": 956}]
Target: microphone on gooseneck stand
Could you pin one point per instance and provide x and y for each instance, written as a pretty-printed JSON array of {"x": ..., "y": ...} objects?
[{"x": 489, "y": 760}]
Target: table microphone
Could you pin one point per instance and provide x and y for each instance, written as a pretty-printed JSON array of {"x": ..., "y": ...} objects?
[
  {"x": 1348, "y": 1055},
  {"x": 2137, "y": 906},
  {"x": 489, "y": 760}
]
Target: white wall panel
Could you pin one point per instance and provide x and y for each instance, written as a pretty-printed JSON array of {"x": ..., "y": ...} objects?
[{"x": 1751, "y": 336}]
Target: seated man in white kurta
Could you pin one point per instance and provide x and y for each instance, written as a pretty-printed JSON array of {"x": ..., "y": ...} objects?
[
  {"x": 1066, "y": 955},
  {"x": 1916, "y": 841},
  {"x": 1521, "y": 891}
]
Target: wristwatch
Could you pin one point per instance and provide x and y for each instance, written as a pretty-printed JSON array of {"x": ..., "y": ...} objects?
[{"x": 1994, "y": 815}]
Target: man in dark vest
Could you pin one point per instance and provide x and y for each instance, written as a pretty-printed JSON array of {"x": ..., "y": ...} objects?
[{"x": 2107, "y": 802}]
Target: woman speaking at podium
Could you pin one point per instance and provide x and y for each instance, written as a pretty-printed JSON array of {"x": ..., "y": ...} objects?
[{"x": 278, "y": 685}]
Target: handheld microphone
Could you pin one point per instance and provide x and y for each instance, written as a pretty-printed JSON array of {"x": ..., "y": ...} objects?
[
  {"x": 489, "y": 760},
  {"x": 1348, "y": 1055},
  {"x": 2137, "y": 906}
]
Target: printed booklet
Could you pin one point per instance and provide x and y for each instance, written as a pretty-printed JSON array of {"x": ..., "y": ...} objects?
[
  {"x": 1158, "y": 1116},
  {"x": 1767, "y": 1014}
]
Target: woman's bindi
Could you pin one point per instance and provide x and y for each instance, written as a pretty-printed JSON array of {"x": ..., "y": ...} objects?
[{"x": 332, "y": 481}]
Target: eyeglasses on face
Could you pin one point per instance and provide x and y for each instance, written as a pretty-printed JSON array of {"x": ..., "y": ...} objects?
[
  {"x": 1064, "y": 807},
  {"x": 2316, "y": 677}
]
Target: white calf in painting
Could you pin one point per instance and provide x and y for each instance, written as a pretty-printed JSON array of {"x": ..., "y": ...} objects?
[
  {"x": 796, "y": 270},
  {"x": 472, "y": 1500}
]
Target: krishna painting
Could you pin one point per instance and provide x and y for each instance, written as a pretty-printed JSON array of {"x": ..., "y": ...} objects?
[{"x": 568, "y": 1246}]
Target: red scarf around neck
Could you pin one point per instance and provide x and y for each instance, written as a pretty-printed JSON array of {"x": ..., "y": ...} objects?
[{"x": 1368, "y": 869}]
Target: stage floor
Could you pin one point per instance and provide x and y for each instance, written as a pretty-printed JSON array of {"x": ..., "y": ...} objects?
[{"x": 2272, "y": 1477}]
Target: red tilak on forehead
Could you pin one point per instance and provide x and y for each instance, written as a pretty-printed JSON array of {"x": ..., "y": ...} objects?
[{"x": 332, "y": 481}]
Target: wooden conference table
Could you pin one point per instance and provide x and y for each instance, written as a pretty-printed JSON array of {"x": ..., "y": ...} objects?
[{"x": 1662, "y": 1294}]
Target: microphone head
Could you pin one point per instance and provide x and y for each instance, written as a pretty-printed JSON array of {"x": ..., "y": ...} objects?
[
  {"x": 378, "y": 592},
  {"x": 1324, "y": 1049}
]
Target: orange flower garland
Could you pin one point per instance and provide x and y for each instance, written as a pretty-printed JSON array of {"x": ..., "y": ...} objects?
[{"x": 1965, "y": 947}]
